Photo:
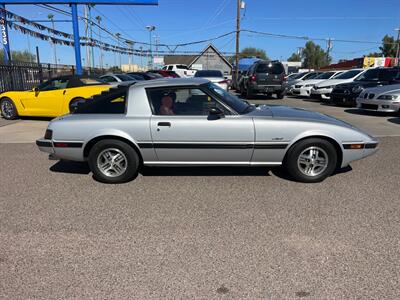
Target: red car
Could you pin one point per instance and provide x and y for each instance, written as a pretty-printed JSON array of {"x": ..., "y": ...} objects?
[{"x": 165, "y": 73}]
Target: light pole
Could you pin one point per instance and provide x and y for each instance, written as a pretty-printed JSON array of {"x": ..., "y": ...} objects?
[
  {"x": 150, "y": 28},
  {"x": 118, "y": 35},
  {"x": 130, "y": 43},
  {"x": 98, "y": 19},
  {"x": 141, "y": 57},
  {"x": 51, "y": 18}
]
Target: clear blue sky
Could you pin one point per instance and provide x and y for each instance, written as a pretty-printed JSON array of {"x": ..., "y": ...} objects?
[{"x": 179, "y": 21}]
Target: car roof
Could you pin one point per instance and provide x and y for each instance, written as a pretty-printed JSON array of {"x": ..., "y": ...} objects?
[{"x": 171, "y": 82}]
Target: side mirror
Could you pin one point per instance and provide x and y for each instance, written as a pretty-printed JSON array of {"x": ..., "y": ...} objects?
[
  {"x": 215, "y": 111},
  {"x": 35, "y": 89}
]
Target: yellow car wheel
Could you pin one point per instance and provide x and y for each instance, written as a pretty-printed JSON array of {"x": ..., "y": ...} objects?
[
  {"x": 8, "y": 109},
  {"x": 74, "y": 104}
]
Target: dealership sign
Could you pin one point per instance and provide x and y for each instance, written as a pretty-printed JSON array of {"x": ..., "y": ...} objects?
[{"x": 4, "y": 33}]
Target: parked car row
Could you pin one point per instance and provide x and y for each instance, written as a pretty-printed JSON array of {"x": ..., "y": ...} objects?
[{"x": 375, "y": 89}]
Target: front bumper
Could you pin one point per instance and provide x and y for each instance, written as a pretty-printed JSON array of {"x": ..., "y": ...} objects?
[
  {"x": 350, "y": 154},
  {"x": 305, "y": 91},
  {"x": 387, "y": 106},
  {"x": 344, "y": 99},
  {"x": 323, "y": 93}
]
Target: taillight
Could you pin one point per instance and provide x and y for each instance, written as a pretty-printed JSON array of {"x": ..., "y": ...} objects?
[
  {"x": 253, "y": 78},
  {"x": 285, "y": 78},
  {"x": 48, "y": 134}
]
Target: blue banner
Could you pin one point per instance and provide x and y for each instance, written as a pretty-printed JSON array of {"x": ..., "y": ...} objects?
[{"x": 4, "y": 34}]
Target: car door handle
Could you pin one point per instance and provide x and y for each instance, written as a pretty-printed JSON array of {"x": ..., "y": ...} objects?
[
  {"x": 64, "y": 92},
  {"x": 168, "y": 124}
]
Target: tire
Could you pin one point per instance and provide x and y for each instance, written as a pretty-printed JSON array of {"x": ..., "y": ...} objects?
[
  {"x": 242, "y": 91},
  {"x": 74, "y": 103},
  {"x": 105, "y": 152},
  {"x": 280, "y": 95},
  {"x": 8, "y": 109},
  {"x": 249, "y": 94},
  {"x": 298, "y": 166}
]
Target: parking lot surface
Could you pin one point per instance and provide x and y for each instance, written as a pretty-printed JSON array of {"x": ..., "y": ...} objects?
[{"x": 209, "y": 233}]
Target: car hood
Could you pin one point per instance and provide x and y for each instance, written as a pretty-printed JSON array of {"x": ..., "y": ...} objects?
[
  {"x": 286, "y": 112},
  {"x": 393, "y": 88},
  {"x": 312, "y": 81},
  {"x": 330, "y": 82}
]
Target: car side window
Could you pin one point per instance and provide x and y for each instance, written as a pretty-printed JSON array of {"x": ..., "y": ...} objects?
[
  {"x": 108, "y": 103},
  {"x": 181, "y": 102},
  {"x": 170, "y": 68},
  {"x": 108, "y": 79},
  {"x": 54, "y": 84}
]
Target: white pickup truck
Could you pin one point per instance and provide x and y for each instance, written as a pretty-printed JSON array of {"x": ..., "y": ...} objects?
[{"x": 181, "y": 70}]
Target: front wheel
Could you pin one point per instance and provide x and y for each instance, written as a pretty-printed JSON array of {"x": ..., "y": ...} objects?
[
  {"x": 311, "y": 160},
  {"x": 8, "y": 109},
  {"x": 113, "y": 161}
]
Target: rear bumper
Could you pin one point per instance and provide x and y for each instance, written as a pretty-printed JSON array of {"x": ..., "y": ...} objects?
[
  {"x": 323, "y": 93},
  {"x": 267, "y": 88},
  {"x": 68, "y": 150}
]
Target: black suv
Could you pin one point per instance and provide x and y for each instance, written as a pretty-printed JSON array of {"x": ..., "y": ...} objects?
[
  {"x": 266, "y": 77},
  {"x": 347, "y": 93}
]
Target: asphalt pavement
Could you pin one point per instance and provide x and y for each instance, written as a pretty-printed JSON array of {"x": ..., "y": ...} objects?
[
  {"x": 199, "y": 233},
  {"x": 208, "y": 233}
]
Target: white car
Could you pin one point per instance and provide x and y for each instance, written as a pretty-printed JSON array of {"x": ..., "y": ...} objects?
[
  {"x": 118, "y": 79},
  {"x": 295, "y": 82},
  {"x": 214, "y": 76},
  {"x": 323, "y": 89},
  {"x": 307, "y": 85},
  {"x": 383, "y": 98},
  {"x": 182, "y": 70}
]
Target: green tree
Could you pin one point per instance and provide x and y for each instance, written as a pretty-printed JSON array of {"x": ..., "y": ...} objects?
[
  {"x": 20, "y": 56},
  {"x": 388, "y": 48},
  {"x": 295, "y": 57},
  {"x": 250, "y": 52},
  {"x": 314, "y": 56}
]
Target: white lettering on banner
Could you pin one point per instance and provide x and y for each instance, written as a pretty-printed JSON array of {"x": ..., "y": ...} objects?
[{"x": 3, "y": 31}]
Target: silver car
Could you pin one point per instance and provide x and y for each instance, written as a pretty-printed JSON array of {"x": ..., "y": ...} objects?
[
  {"x": 384, "y": 99},
  {"x": 193, "y": 122}
]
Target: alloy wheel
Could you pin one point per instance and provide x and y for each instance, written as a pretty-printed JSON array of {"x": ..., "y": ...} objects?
[
  {"x": 112, "y": 162},
  {"x": 313, "y": 161}
]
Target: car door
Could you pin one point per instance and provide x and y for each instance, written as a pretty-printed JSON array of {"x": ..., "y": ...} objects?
[
  {"x": 184, "y": 132},
  {"x": 47, "y": 99}
]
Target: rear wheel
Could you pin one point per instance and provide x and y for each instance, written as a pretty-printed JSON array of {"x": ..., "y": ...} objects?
[
  {"x": 113, "y": 161},
  {"x": 311, "y": 160},
  {"x": 249, "y": 93},
  {"x": 8, "y": 109},
  {"x": 73, "y": 105},
  {"x": 280, "y": 95}
]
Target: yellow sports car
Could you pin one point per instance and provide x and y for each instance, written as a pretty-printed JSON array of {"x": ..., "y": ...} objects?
[{"x": 52, "y": 98}]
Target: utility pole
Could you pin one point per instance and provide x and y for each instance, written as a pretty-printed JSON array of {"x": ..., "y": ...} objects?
[
  {"x": 398, "y": 46},
  {"x": 239, "y": 2},
  {"x": 329, "y": 47},
  {"x": 91, "y": 33},
  {"x": 130, "y": 55},
  {"x": 51, "y": 18},
  {"x": 98, "y": 19},
  {"x": 118, "y": 35}
]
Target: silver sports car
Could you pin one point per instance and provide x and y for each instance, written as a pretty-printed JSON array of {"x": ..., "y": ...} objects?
[
  {"x": 383, "y": 99},
  {"x": 192, "y": 122}
]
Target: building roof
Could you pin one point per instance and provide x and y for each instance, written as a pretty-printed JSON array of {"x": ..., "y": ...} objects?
[
  {"x": 216, "y": 51},
  {"x": 178, "y": 59},
  {"x": 191, "y": 59}
]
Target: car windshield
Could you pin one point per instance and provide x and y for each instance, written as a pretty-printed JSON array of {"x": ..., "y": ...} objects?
[
  {"x": 348, "y": 74},
  {"x": 232, "y": 101},
  {"x": 310, "y": 76},
  {"x": 124, "y": 77},
  {"x": 181, "y": 67},
  {"x": 369, "y": 75},
  {"x": 208, "y": 73},
  {"x": 325, "y": 75}
]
